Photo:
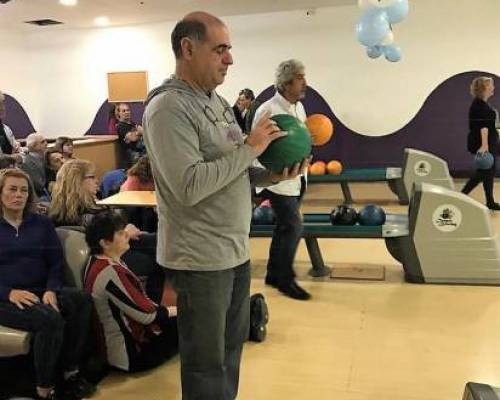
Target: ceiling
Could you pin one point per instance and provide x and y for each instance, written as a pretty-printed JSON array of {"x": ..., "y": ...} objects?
[{"x": 128, "y": 12}]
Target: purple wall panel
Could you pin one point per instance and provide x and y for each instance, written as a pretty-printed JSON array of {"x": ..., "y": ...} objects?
[
  {"x": 17, "y": 119},
  {"x": 440, "y": 127}
]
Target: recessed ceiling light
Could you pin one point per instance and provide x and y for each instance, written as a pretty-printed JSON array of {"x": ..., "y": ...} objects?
[
  {"x": 68, "y": 2},
  {"x": 101, "y": 21}
]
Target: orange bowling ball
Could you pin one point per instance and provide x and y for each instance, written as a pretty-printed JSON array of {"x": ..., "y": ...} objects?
[
  {"x": 317, "y": 168},
  {"x": 334, "y": 167},
  {"x": 320, "y": 127}
]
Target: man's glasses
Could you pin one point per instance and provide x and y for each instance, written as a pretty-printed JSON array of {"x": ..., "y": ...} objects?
[{"x": 212, "y": 117}]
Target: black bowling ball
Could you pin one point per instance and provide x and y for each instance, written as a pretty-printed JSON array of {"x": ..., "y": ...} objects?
[{"x": 344, "y": 215}]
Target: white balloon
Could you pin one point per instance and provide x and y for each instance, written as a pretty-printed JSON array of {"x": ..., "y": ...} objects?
[{"x": 389, "y": 39}]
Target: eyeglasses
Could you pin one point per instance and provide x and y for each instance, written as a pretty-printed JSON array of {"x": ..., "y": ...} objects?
[{"x": 212, "y": 117}]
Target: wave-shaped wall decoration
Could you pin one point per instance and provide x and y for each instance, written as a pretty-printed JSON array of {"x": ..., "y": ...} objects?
[
  {"x": 16, "y": 118},
  {"x": 440, "y": 127}
]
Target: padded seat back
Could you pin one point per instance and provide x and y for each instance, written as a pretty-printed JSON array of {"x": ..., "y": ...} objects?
[{"x": 76, "y": 254}]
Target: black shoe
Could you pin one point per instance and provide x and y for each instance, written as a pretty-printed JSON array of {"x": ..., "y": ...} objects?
[
  {"x": 294, "y": 291},
  {"x": 271, "y": 281},
  {"x": 77, "y": 386},
  {"x": 493, "y": 206}
]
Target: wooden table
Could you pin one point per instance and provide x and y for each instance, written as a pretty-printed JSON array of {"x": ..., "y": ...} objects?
[{"x": 130, "y": 199}]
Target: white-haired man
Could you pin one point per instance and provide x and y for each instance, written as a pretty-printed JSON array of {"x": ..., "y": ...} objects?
[
  {"x": 286, "y": 196},
  {"x": 34, "y": 162}
]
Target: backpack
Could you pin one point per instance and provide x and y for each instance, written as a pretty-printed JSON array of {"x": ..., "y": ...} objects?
[{"x": 259, "y": 317}]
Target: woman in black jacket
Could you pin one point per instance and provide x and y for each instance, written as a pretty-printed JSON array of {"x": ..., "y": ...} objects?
[{"x": 483, "y": 137}]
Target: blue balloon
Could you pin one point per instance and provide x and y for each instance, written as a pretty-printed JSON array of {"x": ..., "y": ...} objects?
[
  {"x": 372, "y": 28},
  {"x": 397, "y": 11},
  {"x": 374, "y": 51},
  {"x": 483, "y": 160},
  {"x": 392, "y": 53}
]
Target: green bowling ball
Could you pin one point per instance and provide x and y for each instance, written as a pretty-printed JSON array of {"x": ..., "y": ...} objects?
[{"x": 290, "y": 149}]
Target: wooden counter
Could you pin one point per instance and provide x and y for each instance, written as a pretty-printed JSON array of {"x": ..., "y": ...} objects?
[{"x": 102, "y": 150}]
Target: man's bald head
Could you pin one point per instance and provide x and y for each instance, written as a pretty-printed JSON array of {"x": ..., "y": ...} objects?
[{"x": 193, "y": 26}]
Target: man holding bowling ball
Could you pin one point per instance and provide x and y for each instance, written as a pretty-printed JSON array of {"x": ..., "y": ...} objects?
[
  {"x": 202, "y": 170},
  {"x": 286, "y": 196}
]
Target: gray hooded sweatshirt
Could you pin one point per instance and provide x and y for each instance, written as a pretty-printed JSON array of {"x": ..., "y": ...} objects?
[{"x": 202, "y": 173}]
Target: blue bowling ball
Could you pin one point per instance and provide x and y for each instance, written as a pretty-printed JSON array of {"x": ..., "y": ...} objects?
[
  {"x": 371, "y": 215},
  {"x": 263, "y": 216},
  {"x": 483, "y": 160}
]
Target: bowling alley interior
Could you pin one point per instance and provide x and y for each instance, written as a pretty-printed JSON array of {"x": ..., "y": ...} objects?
[{"x": 345, "y": 148}]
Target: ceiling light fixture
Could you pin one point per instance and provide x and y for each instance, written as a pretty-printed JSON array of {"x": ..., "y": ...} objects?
[
  {"x": 101, "y": 21},
  {"x": 68, "y": 2}
]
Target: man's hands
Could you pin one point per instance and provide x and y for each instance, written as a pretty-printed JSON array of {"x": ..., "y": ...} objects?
[
  {"x": 298, "y": 169},
  {"x": 263, "y": 134},
  {"x": 132, "y": 136}
]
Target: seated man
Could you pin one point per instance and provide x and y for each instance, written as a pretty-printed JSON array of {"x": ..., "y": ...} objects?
[
  {"x": 139, "y": 334},
  {"x": 130, "y": 136},
  {"x": 32, "y": 296},
  {"x": 34, "y": 163}
]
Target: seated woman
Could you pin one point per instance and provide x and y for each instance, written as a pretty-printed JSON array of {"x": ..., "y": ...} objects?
[
  {"x": 64, "y": 145},
  {"x": 32, "y": 296},
  {"x": 74, "y": 204},
  {"x": 139, "y": 334},
  {"x": 53, "y": 163},
  {"x": 139, "y": 176}
]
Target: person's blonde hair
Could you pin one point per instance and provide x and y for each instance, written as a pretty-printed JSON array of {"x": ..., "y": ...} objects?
[
  {"x": 479, "y": 84},
  {"x": 69, "y": 201},
  {"x": 18, "y": 173}
]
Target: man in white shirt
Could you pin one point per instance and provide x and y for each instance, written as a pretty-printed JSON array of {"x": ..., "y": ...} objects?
[{"x": 286, "y": 196}]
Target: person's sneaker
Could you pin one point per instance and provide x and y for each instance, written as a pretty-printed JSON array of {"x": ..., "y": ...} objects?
[
  {"x": 77, "y": 386},
  {"x": 294, "y": 291},
  {"x": 493, "y": 206}
]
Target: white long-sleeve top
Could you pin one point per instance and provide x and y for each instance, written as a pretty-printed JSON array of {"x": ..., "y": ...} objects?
[{"x": 279, "y": 105}]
